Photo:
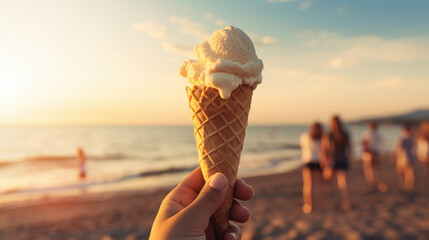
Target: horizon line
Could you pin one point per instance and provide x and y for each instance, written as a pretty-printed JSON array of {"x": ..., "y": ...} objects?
[{"x": 136, "y": 125}]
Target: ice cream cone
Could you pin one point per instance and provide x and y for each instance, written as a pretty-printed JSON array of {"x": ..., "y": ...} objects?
[{"x": 219, "y": 127}]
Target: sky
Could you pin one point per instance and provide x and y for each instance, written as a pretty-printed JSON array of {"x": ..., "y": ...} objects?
[{"x": 104, "y": 62}]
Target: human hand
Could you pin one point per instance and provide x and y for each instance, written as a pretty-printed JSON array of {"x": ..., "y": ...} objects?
[{"x": 185, "y": 212}]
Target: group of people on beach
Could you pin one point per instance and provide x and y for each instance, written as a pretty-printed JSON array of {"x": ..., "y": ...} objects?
[{"x": 327, "y": 154}]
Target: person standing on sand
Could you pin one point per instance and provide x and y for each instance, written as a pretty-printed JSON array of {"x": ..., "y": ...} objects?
[
  {"x": 403, "y": 152},
  {"x": 81, "y": 163},
  {"x": 312, "y": 171},
  {"x": 339, "y": 151},
  {"x": 423, "y": 146},
  {"x": 371, "y": 149}
]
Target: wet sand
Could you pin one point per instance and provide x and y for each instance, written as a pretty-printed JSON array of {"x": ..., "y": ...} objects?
[{"x": 276, "y": 212}]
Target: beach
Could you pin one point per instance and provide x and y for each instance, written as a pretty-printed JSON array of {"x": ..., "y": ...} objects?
[
  {"x": 106, "y": 106},
  {"x": 276, "y": 212}
]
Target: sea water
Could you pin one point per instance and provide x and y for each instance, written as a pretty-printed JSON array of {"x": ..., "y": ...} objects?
[{"x": 40, "y": 161}]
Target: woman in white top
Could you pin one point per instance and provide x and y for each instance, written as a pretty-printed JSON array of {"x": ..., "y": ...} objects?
[{"x": 312, "y": 171}]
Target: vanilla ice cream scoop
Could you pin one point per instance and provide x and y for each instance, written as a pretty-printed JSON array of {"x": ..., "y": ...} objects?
[{"x": 225, "y": 61}]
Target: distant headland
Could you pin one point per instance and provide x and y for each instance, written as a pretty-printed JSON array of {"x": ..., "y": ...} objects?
[{"x": 413, "y": 117}]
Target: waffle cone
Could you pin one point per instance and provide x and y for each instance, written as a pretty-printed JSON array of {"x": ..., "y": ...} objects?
[{"x": 219, "y": 128}]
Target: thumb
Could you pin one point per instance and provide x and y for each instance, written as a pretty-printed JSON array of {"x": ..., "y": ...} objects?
[{"x": 209, "y": 199}]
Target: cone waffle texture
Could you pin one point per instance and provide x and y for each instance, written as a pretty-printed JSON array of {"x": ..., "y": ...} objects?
[{"x": 219, "y": 128}]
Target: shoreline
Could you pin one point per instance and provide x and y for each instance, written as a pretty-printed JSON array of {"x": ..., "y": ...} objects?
[
  {"x": 146, "y": 181},
  {"x": 90, "y": 190}
]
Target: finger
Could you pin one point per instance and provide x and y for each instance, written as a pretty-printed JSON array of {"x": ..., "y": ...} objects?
[
  {"x": 239, "y": 213},
  {"x": 210, "y": 230},
  {"x": 209, "y": 199},
  {"x": 242, "y": 191},
  {"x": 187, "y": 190},
  {"x": 233, "y": 232},
  {"x": 194, "y": 180}
]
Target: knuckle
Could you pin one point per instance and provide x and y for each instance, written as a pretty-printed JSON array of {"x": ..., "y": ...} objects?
[{"x": 212, "y": 196}]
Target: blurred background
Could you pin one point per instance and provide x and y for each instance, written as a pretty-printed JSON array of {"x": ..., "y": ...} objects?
[{"x": 101, "y": 78}]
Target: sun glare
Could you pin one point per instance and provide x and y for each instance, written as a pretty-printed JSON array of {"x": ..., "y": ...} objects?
[{"x": 7, "y": 89}]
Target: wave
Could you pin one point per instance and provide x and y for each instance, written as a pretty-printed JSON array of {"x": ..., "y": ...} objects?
[
  {"x": 270, "y": 146},
  {"x": 268, "y": 163},
  {"x": 64, "y": 158},
  {"x": 166, "y": 171},
  {"x": 158, "y": 172},
  {"x": 5, "y": 163}
]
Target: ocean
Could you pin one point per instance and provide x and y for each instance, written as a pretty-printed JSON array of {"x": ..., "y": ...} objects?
[{"x": 38, "y": 162}]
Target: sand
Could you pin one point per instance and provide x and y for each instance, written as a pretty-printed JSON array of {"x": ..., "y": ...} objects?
[{"x": 276, "y": 212}]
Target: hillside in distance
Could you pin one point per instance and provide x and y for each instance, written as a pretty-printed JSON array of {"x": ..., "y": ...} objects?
[{"x": 413, "y": 117}]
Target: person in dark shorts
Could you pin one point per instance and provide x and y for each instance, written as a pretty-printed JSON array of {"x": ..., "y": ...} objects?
[
  {"x": 312, "y": 171},
  {"x": 339, "y": 151}
]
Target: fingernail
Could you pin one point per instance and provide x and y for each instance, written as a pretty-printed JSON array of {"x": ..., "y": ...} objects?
[
  {"x": 246, "y": 209},
  {"x": 244, "y": 182},
  {"x": 232, "y": 235},
  {"x": 247, "y": 184},
  {"x": 218, "y": 181},
  {"x": 250, "y": 212}
]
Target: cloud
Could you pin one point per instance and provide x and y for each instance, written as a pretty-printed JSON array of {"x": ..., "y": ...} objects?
[
  {"x": 336, "y": 63},
  {"x": 393, "y": 82},
  {"x": 176, "y": 48},
  {"x": 319, "y": 77},
  {"x": 182, "y": 27},
  {"x": 209, "y": 16},
  {"x": 197, "y": 33},
  {"x": 373, "y": 49},
  {"x": 185, "y": 27},
  {"x": 152, "y": 28},
  {"x": 341, "y": 9},
  {"x": 266, "y": 40},
  {"x": 216, "y": 21},
  {"x": 318, "y": 38},
  {"x": 220, "y": 22},
  {"x": 304, "y": 5},
  {"x": 366, "y": 49},
  {"x": 188, "y": 27},
  {"x": 300, "y": 74},
  {"x": 276, "y": 1}
]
